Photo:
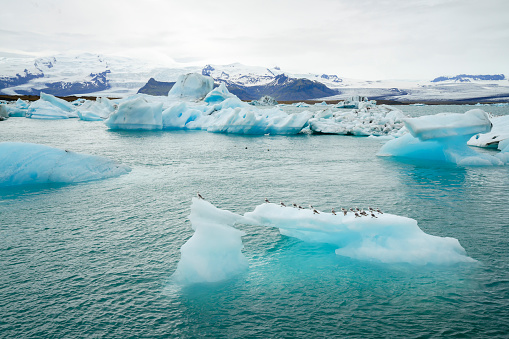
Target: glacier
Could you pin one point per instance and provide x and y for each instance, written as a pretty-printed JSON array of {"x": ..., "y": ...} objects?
[
  {"x": 443, "y": 137},
  {"x": 214, "y": 252},
  {"x": 27, "y": 163}
]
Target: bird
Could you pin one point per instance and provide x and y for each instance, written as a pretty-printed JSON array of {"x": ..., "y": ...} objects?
[
  {"x": 315, "y": 211},
  {"x": 378, "y": 210},
  {"x": 282, "y": 204},
  {"x": 344, "y": 211},
  {"x": 199, "y": 196},
  {"x": 267, "y": 201},
  {"x": 370, "y": 208},
  {"x": 363, "y": 213},
  {"x": 300, "y": 207},
  {"x": 294, "y": 205},
  {"x": 357, "y": 209},
  {"x": 373, "y": 215},
  {"x": 351, "y": 209},
  {"x": 333, "y": 212},
  {"x": 357, "y": 215}
]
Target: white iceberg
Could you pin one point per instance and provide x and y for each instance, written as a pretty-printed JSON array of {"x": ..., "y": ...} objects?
[
  {"x": 191, "y": 86},
  {"x": 136, "y": 114},
  {"x": 387, "y": 238},
  {"x": 214, "y": 252},
  {"x": 377, "y": 121},
  {"x": 51, "y": 108},
  {"x": 443, "y": 137},
  {"x": 26, "y": 163},
  {"x": 498, "y": 133},
  {"x": 97, "y": 110}
]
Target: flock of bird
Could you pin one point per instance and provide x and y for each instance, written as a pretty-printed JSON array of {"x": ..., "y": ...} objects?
[{"x": 356, "y": 211}]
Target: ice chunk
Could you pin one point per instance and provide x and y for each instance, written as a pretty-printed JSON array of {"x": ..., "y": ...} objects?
[
  {"x": 26, "y": 163},
  {"x": 266, "y": 100},
  {"x": 97, "y": 110},
  {"x": 213, "y": 253},
  {"x": 22, "y": 104},
  {"x": 57, "y": 102},
  {"x": 218, "y": 94},
  {"x": 136, "y": 114},
  {"x": 257, "y": 121},
  {"x": 378, "y": 121},
  {"x": 498, "y": 133},
  {"x": 445, "y": 125},
  {"x": 42, "y": 109},
  {"x": 233, "y": 116},
  {"x": 179, "y": 115},
  {"x": 192, "y": 86},
  {"x": 387, "y": 238},
  {"x": 443, "y": 137}
]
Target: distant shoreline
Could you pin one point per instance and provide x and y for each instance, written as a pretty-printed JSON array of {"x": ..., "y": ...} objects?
[{"x": 311, "y": 102}]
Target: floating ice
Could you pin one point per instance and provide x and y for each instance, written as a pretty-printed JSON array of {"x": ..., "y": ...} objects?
[
  {"x": 378, "y": 121},
  {"x": 264, "y": 101},
  {"x": 136, "y": 114},
  {"x": 387, "y": 238},
  {"x": 22, "y": 104},
  {"x": 213, "y": 253},
  {"x": 498, "y": 133},
  {"x": 444, "y": 125},
  {"x": 60, "y": 103},
  {"x": 97, "y": 110},
  {"x": 357, "y": 102},
  {"x": 191, "y": 86},
  {"x": 443, "y": 137},
  {"x": 234, "y": 116},
  {"x": 25, "y": 163},
  {"x": 42, "y": 109},
  {"x": 218, "y": 94}
]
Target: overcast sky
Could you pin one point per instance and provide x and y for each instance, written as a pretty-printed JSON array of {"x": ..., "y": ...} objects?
[{"x": 364, "y": 39}]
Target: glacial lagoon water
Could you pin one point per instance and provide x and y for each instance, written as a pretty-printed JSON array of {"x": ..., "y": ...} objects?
[{"x": 95, "y": 259}]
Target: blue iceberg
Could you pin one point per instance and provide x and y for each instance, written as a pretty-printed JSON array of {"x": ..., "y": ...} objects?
[
  {"x": 443, "y": 137},
  {"x": 214, "y": 252},
  {"x": 26, "y": 163}
]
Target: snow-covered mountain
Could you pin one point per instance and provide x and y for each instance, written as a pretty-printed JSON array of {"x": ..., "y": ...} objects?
[{"x": 98, "y": 75}]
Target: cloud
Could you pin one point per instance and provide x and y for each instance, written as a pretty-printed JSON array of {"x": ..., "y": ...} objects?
[{"x": 363, "y": 38}]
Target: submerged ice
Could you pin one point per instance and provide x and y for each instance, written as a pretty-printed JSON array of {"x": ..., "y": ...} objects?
[
  {"x": 26, "y": 163},
  {"x": 213, "y": 253}
]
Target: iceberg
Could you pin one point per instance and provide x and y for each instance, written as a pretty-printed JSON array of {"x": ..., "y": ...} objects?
[
  {"x": 387, "y": 238},
  {"x": 51, "y": 107},
  {"x": 191, "y": 86},
  {"x": 136, "y": 114},
  {"x": 214, "y": 252},
  {"x": 233, "y": 116},
  {"x": 266, "y": 100},
  {"x": 218, "y": 94},
  {"x": 443, "y": 137},
  {"x": 42, "y": 109},
  {"x": 97, "y": 110},
  {"x": 26, "y": 163},
  {"x": 377, "y": 121},
  {"x": 498, "y": 133}
]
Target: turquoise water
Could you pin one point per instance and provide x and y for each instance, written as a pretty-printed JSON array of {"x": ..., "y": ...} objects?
[{"x": 95, "y": 259}]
